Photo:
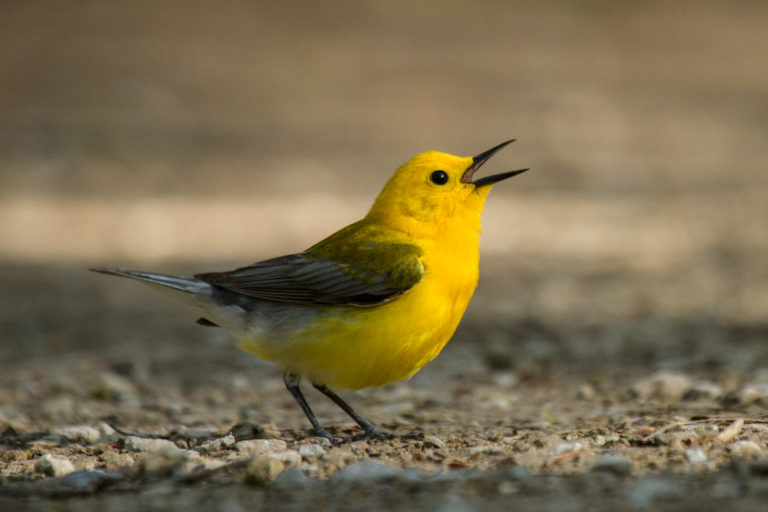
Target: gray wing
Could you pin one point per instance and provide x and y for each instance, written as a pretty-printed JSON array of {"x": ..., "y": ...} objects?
[{"x": 374, "y": 277}]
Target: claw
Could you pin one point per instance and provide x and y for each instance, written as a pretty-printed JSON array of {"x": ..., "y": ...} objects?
[
  {"x": 373, "y": 433},
  {"x": 321, "y": 432}
]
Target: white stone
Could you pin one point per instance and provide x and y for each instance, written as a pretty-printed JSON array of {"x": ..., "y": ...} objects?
[
  {"x": 54, "y": 465},
  {"x": 746, "y": 449},
  {"x": 707, "y": 389},
  {"x": 572, "y": 446},
  {"x": 434, "y": 442},
  {"x": 140, "y": 444},
  {"x": 695, "y": 456},
  {"x": 754, "y": 392},
  {"x": 273, "y": 448},
  {"x": 211, "y": 464},
  {"x": 261, "y": 446},
  {"x": 105, "y": 429},
  {"x": 79, "y": 433},
  {"x": 308, "y": 451},
  {"x": 483, "y": 450},
  {"x": 214, "y": 445},
  {"x": 117, "y": 385},
  {"x": 168, "y": 460},
  {"x": 663, "y": 385}
]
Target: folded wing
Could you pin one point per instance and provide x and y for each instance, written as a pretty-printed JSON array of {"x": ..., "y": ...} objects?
[{"x": 359, "y": 274}]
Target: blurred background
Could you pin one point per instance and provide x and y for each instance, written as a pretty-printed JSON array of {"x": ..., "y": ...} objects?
[{"x": 184, "y": 137}]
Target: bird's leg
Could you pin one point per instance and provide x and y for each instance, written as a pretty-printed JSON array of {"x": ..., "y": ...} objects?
[
  {"x": 371, "y": 430},
  {"x": 292, "y": 383}
]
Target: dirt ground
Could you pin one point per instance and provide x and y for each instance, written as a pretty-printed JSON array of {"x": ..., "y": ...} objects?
[
  {"x": 614, "y": 357},
  {"x": 153, "y": 411}
]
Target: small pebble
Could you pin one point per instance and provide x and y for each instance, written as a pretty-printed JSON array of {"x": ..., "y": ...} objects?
[
  {"x": 167, "y": 461},
  {"x": 263, "y": 469},
  {"x": 140, "y": 444},
  {"x": 704, "y": 390},
  {"x": 678, "y": 441},
  {"x": 111, "y": 385},
  {"x": 214, "y": 445},
  {"x": 211, "y": 464},
  {"x": 585, "y": 392},
  {"x": 115, "y": 461},
  {"x": 58, "y": 408},
  {"x": 755, "y": 392},
  {"x": 245, "y": 430},
  {"x": 572, "y": 446},
  {"x": 695, "y": 456},
  {"x": 483, "y": 450},
  {"x": 310, "y": 470},
  {"x": 309, "y": 451},
  {"x": 338, "y": 458},
  {"x": 274, "y": 448},
  {"x": 746, "y": 449},
  {"x": 322, "y": 441},
  {"x": 54, "y": 465},
  {"x": 288, "y": 457},
  {"x": 43, "y": 445},
  {"x": 105, "y": 429},
  {"x": 663, "y": 385},
  {"x": 11, "y": 418},
  {"x": 434, "y": 442},
  {"x": 79, "y": 433},
  {"x": 261, "y": 446}
]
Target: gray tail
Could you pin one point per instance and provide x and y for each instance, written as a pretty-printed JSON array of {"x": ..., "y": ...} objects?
[{"x": 183, "y": 284}]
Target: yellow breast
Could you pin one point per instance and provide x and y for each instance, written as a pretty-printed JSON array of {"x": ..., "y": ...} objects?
[{"x": 354, "y": 347}]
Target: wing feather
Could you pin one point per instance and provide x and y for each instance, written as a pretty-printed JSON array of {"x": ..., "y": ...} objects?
[{"x": 362, "y": 274}]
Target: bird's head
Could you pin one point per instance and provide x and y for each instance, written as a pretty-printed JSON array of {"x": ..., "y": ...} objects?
[{"x": 433, "y": 188}]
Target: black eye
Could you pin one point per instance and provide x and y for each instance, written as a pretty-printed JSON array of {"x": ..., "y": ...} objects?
[{"x": 439, "y": 177}]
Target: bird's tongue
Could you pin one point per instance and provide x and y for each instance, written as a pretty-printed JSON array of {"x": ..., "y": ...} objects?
[{"x": 480, "y": 159}]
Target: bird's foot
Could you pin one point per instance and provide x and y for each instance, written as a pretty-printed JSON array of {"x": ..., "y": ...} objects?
[
  {"x": 374, "y": 433},
  {"x": 411, "y": 436},
  {"x": 324, "y": 434}
]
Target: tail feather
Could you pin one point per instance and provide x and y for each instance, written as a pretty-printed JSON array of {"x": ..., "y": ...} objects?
[{"x": 183, "y": 284}]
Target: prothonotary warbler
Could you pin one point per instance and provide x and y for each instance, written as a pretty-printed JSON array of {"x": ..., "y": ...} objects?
[{"x": 368, "y": 305}]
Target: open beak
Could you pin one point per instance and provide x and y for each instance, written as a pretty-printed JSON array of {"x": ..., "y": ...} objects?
[{"x": 479, "y": 160}]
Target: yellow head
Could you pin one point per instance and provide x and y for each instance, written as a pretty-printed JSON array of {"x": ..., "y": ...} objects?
[{"x": 433, "y": 190}]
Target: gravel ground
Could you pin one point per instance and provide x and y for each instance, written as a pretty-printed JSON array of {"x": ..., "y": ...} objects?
[{"x": 521, "y": 416}]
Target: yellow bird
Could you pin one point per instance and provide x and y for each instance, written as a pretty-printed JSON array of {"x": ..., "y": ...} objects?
[{"x": 368, "y": 305}]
